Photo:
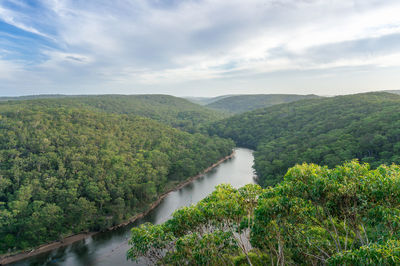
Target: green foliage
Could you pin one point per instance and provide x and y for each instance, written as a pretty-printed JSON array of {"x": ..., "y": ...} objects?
[
  {"x": 326, "y": 131},
  {"x": 349, "y": 215},
  {"x": 173, "y": 111},
  {"x": 243, "y": 103},
  {"x": 203, "y": 249},
  {"x": 149, "y": 241},
  {"x": 373, "y": 254},
  {"x": 257, "y": 259},
  {"x": 208, "y": 233},
  {"x": 65, "y": 170},
  {"x": 317, "y": 213}
]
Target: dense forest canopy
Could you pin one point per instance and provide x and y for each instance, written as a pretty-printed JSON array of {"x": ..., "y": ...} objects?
[
  {"x": 325, "y": 131},
  {"x": 174, "y": 111},
  {"x": 65, "y": 170},
  {"x": 74, "y": 164},
  {"x": 349, "y": 215},
  {"x": 244, "y": 103}
]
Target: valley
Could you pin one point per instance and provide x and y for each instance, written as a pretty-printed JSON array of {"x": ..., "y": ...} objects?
[{"x": 80, "y": 164}]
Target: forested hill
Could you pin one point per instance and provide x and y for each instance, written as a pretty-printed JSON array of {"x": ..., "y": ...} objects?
[
  {"x": 65, "y": 170},
  {"x": 326, "y": 131},
  {"x": 205, "y": 100},
  {"x": 31, "y": 97},
  {"x": 174, "y": 111},
  {"x": 244, "y": 103}
]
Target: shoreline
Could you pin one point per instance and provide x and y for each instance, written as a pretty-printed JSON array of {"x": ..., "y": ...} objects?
[{"x": 6, "y": 259}]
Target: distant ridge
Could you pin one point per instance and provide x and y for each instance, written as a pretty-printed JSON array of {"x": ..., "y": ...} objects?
[
  {"x": 174, "y": 111},
  {"x": 31, "y": 97},
  {"x": 206, "y": 100},
  {"x": 243, "y": 103},
  {"x": 393, "y": 91}
]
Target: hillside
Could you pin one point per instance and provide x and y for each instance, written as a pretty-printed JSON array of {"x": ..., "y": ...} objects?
[
  {"x": 325, "y": 131},
  {"x": 244, "y": 103},
  {"x": 32, "y": 97},
  {"x": 65, "y": 170},
  {"x": 205, "y": 100},
  {"x": 173, "y": 111}
]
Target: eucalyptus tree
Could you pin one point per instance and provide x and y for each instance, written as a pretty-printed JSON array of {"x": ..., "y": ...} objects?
[{"x": 348, "y": 215}]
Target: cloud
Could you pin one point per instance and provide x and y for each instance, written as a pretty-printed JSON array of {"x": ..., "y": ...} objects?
[
  {"x": 8, "y": 70},
  {"x": 96, "y": 46},
  {"x": 20, "y": 21}
]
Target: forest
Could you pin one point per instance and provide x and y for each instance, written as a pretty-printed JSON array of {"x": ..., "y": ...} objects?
[
  {"x": 328, "y": 173},
  {"x": 67, "y": 168},
  {"x": 326, "y": 131},
  {"x": 338, "y": 204},
  {"x": 170, "y": 110},
  {"x": 238, "y": 104},
  {"x": 347, "y": 215}
]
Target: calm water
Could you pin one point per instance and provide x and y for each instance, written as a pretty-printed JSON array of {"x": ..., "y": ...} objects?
[{"x": 109, "y": 248}]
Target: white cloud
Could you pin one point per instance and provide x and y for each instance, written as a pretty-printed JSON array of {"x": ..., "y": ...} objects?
[
  {"x": 8, "y": 70},
  {"x": 16, "y": 20},
  {"x": 139, "y": 43}
]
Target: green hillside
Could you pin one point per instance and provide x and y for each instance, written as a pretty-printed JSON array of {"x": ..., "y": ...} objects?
[
  {"x": 325, "y": 131},
  {"x": 65, "y": 170},
  {"x": 32, "y": 97},
  {"x": 244, "y": 103},
  {"x": 174, "y": 111}
]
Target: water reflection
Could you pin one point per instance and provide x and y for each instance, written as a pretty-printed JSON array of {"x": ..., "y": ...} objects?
[{"x": 109, "y": 248}]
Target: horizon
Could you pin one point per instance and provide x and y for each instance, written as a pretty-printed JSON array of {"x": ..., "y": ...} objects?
[
  {"x": 184, "y": 97},
  {"x": 198, "y": 48}
]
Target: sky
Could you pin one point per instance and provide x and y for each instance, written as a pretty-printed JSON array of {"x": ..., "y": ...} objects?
[{"x": 199, "y": 47}]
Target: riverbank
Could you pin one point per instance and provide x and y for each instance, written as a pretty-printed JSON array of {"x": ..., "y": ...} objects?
[
  {"x": 165, "y": 194},
  {"x": 6, "y": 259}
]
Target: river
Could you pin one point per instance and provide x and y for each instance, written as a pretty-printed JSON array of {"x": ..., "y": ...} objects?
[{"x": 109, "y": 248}]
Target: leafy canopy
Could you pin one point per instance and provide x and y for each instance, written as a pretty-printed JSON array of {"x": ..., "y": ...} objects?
[
  {"x": 349, "y": 215},
  {"x": 65, "y": 170}
]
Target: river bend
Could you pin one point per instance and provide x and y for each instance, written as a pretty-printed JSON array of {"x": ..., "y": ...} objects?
[{"x": 109, "y": 248}]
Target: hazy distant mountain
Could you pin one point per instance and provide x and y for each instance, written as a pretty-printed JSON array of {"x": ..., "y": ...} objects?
[
  {"x": 244, "y": 103},
  {"x": 31, "y": 97},
  {"x": 393, "y": 91},
  {"x": 206, "y": 100}
]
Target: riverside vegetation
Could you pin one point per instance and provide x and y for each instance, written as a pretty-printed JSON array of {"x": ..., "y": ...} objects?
[
  {"x": 325, "y": 131},
  {"x": 342, "y": 213},
  {"x": 348, "y": 215},
  {"x": 68, "y": 167},
  {"x": 86, "y": 163}
]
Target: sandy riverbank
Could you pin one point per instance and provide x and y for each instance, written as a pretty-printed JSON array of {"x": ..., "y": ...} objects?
[{"x": 6, "y": 259}]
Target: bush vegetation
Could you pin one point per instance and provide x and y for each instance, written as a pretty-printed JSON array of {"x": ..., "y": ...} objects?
[{"x": 348, "y": 215}]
